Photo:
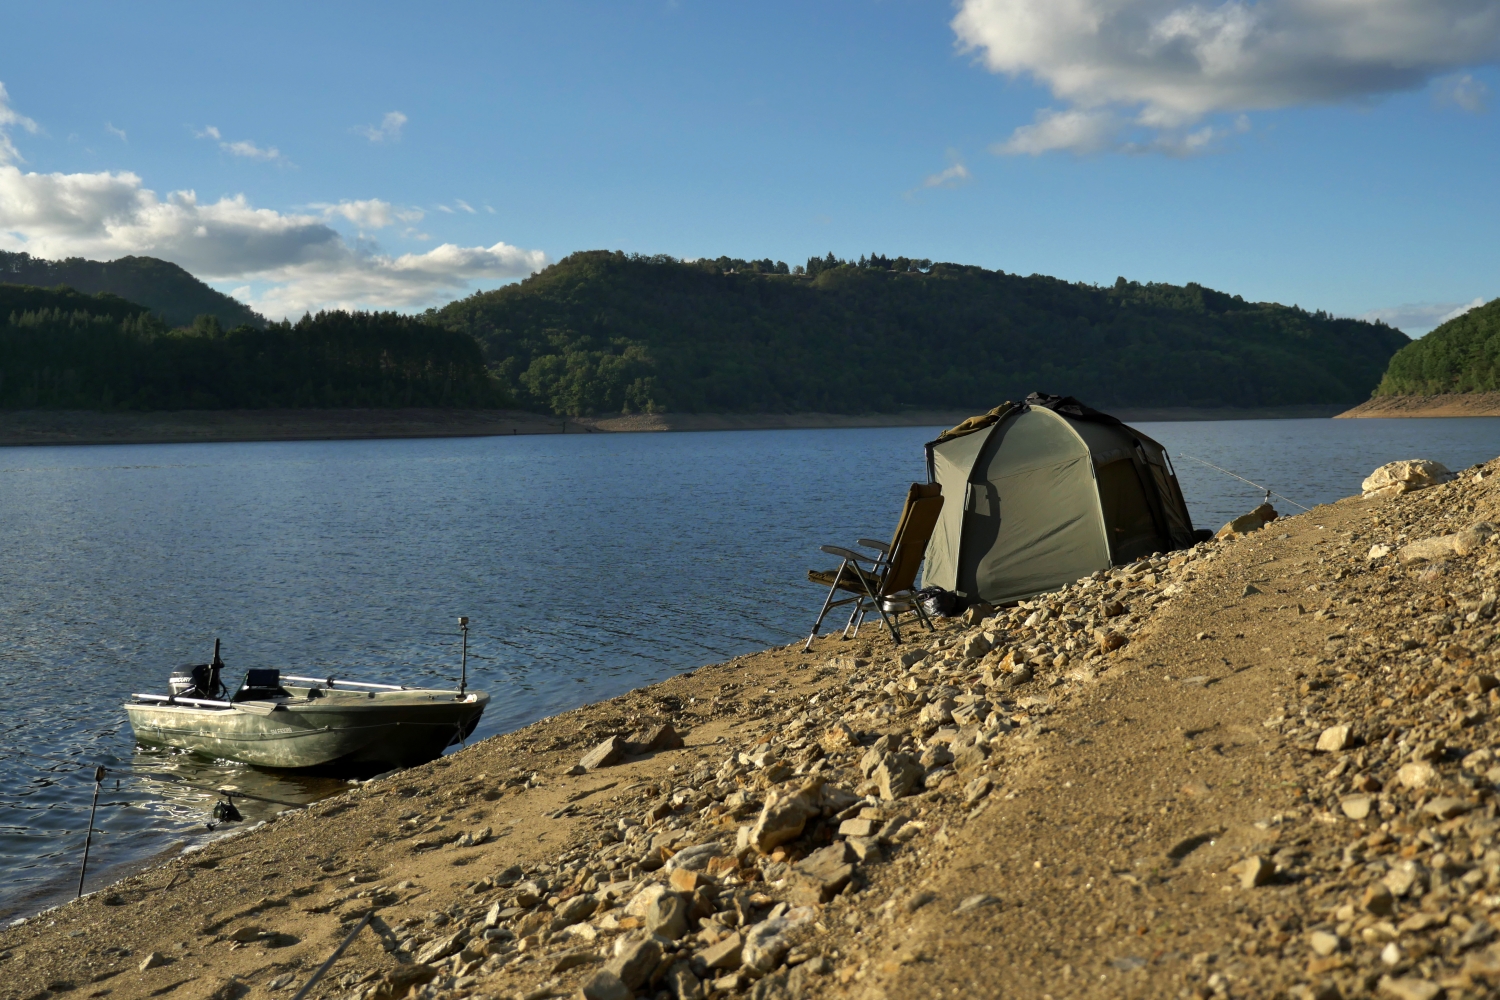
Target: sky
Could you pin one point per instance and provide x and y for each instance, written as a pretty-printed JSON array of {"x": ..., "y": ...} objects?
[{"x": 1334, "y": 154}]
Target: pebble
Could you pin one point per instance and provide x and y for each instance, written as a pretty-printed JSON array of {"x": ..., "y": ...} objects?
[{"x": 977, "y": 901}]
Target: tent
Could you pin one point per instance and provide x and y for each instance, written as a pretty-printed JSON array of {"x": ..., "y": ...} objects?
[{"x": 1044, "y": 492}]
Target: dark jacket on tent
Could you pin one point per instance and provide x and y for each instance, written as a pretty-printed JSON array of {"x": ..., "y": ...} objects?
[{"x": 1045, "y": 492}]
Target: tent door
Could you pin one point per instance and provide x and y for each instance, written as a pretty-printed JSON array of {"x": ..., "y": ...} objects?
[{"x": 1128, "y": 517}]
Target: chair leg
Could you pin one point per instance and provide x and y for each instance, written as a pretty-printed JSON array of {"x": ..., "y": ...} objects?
[
  {"x": 856, "y": 616},
  {"x": 827, "y": 603}
]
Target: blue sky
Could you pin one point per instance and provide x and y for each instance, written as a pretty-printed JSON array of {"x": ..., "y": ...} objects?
[{"x": 398, "y": 156}]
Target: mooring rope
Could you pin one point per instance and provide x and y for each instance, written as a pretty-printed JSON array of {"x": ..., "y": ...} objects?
[{"x": 1269, "y": 492}]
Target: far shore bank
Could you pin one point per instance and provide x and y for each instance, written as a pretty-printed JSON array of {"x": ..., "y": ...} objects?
[
  {"x": 87, "y": 427},
  {"x": 1453, "y": 404}
]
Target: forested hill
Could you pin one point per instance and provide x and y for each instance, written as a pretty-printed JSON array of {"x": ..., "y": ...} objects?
[
  {"x": 1462, "y": 355},
  {"x": 163, "y": 287},
  {"x": 605, "y": 332},
  {"x": 60, "y": 349}
]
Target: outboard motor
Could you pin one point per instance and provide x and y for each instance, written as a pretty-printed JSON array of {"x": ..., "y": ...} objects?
[
  {"x": 198, "y": 680},
  {"x": 189, "y": 681}
]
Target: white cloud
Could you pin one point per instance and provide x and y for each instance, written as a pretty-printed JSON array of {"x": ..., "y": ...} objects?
[
  {"x": 464, "y": 205},
  {"x": 389, "y": 129},
  {"x": 445, "y": 208},
  {"x": 250, "y": 150},
  {"x": 243, "y": 147},
  {"x": 1161, "y": 66},
  {"x": 370, "y": 214},
  {"x": 118, "y": 133},
  {"x": 1463, "y": 91},
  {"x": 297, "y": 258},
  {"x": 1421, "y": 316},
  {"x": 950, "y": 178},
  {"x": 9, "y": 118}
]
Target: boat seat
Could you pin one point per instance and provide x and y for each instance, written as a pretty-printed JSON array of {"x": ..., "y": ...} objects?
[{"x": 261, "y": 684}]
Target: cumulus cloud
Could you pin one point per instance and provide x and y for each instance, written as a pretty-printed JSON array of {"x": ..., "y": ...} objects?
[
  {"x": 389, "y": 129},
  {"x": 1463, "y": 91},
  {"x": 1128, "y": 68},
  {"x": 950, "y": 178},
  {"x": 1422, "y": 316},
  {"x": 297, "y": 258},
  {"x": 11, "y": 118},
  {"x": 370, "y": 214}
]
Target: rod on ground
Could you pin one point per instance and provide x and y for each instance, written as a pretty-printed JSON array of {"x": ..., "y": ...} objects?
[
  {"x": 313, "y": 979},
  {"x": 98, "y": 780}
]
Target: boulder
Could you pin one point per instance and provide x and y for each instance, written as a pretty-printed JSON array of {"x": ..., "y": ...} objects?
[
  {"x": 898, "y": 775},
  {"x": 668, "y": 916},
  {"x": 723, "y": 955},
  {"x": 606, "y": 753},
  {"x": 1246, "y": 523},
  {"x": 1465, "y": 542},
  {"x": 1402, "y": 477},
  {"x": 654, "y": 738},
  {"x": 767, "y": 942},
  {"x": 823, "y": 874},
  {"x": 635, "y": 959},
  {"x": 784, "y": 816}
]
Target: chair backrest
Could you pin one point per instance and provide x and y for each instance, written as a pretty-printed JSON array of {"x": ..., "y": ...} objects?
[{"x": 924, "y": 501}]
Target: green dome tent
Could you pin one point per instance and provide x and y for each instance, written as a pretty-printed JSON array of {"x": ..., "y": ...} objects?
[{"x": 1044, "y": 492}]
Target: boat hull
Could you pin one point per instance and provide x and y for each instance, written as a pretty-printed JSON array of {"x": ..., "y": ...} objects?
[{"x": 398, "y": 728}]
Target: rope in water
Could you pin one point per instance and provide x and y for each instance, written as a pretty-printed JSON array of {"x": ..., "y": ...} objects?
[{"x": 1242, "y": 479}]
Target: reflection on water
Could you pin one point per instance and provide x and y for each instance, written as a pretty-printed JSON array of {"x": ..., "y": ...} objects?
[{"x": 588, "y": 565}]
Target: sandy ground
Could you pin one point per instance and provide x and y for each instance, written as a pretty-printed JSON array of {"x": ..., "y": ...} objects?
[
  {"x": 54, "y": 427},
  {"x": 1167, "y": 818},
  {"x": 1473, "y": 404}
]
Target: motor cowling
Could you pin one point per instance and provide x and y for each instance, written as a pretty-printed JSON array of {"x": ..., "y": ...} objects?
[{"x": 191, "y": 680}]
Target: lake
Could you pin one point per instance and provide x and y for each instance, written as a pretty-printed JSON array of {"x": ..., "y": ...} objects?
[{"x": 588, "y": 565}]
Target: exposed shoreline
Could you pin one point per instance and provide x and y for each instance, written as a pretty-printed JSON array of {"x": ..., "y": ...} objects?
[
  {"x": 1467, "y": 404},
  {"x": 1261, "y": 762},
  {"x": 86, "y": 427}
]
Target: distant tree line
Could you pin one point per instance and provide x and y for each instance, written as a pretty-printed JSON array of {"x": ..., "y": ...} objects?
[
  {"x": 1461, "y": 355},
  {"x": 608, "y": 332},
  {"x": 77, "y": 354}
]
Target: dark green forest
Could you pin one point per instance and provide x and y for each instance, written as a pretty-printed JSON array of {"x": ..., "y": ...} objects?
[
  {"x": 163, "y": 287},
  {"x": 606, "y": 332},
  {"x": 1462, "y": 355},
  {"x": 60, "y": 349}
]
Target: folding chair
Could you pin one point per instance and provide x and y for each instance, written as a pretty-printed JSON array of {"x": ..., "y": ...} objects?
[{"x": 885, "y": 587}]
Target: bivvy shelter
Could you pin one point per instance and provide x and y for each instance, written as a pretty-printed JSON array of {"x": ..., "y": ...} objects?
[{"x": 1044, "y": 492}]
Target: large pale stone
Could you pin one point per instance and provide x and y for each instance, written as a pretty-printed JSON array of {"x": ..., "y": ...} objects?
[
  {"x": 1403, "y": 476},
  {"x": 1336, "y": 738},
  {"x": 635, "y": 960},
  {"x": 605, "y": 754},
  {"x": 784, "y": 816},
  {"x": 899, "y": 774}
]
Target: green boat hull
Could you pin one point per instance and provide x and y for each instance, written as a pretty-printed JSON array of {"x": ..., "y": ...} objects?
[{"x": 395, "y": 728}]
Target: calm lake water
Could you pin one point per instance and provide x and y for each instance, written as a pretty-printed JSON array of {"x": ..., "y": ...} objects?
[{"x": 588, "y": 565}]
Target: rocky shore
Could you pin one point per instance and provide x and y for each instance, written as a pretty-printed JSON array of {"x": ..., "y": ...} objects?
[{"x": 1263, "y": 767}]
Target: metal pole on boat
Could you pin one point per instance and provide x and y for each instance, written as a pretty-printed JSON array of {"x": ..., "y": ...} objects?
[
  {"x": 463, "y": 679},
  {"x": 98, "y": 780}
]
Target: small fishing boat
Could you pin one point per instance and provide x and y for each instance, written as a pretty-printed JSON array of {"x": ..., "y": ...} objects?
[{"x": 289, "y": 721}]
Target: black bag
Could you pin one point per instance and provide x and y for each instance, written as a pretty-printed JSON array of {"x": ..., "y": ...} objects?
[{"x": 937, "y": 602}]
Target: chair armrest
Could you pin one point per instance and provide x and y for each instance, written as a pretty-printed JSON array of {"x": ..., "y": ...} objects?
[
  {"x": 871, "y": 543},
  {"x": 843, "y": 553}
]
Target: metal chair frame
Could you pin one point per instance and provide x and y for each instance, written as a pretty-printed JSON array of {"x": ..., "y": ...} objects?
[{"x": 890, "y": 606}]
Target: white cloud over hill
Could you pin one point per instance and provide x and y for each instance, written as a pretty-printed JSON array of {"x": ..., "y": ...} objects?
[
  {"x": 1141, "y": 75},
  {"x": 296, "y": 260}
]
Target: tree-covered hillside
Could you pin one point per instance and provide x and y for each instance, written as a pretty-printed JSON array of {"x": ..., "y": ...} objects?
[
  {"x": 1462, "y": 355},
  {"x": 603, "y": 332},
  {"x": 64, "y": 350},
  {"x": 163, "y": 287}
]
